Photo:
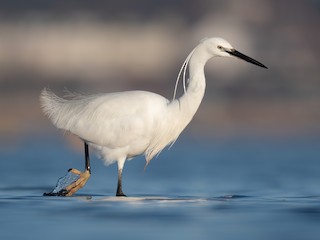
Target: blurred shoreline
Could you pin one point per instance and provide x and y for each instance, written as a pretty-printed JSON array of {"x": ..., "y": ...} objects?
[
  {"x": 101, "y": 47},
  {"x": 225, "y": 118}
]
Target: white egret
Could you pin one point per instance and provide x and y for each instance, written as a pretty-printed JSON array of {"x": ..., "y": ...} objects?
[{"x": 123, "y": 125}]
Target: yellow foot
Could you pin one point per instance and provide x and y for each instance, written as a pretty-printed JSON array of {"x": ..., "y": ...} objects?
[
  {"x": 75, "y": 186},
  {"x": 62, "y": 189}
]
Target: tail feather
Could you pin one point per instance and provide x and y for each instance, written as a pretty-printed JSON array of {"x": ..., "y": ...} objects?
[
  {"x": 54, "y": 107},
  {"x": 49, "y": 102}
]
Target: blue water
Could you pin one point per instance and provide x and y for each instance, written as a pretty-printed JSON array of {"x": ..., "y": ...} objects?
[{"x": 231, "y": 188}]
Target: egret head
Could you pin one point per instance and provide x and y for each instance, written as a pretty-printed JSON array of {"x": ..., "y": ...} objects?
[{"x": 219, "y": 47}]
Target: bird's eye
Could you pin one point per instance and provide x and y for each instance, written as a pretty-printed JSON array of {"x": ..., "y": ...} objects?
[{"x": 220, "y": 47}]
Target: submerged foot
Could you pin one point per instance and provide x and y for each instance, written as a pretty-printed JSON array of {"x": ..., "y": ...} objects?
[
  {"x": 119, "y": 191},
  {"x": 120, "y": 194},
  {"x": 73, "y": 187}
]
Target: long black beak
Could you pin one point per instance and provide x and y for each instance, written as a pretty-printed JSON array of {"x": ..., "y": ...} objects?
[{"x": 245, "y": 57}]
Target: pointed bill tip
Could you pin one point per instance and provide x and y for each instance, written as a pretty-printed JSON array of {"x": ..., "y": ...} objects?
[
  {"x": 263, "y": 66},
  {"x": 240, "y": 55}
]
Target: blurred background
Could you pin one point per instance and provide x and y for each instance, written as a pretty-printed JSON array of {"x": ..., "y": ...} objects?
[
  {"x": 251, "y": 152},
  {"x": 106, "y": 46}
]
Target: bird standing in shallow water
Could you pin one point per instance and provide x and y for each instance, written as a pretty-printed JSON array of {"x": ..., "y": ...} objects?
[{"x": 123, "y": 125}]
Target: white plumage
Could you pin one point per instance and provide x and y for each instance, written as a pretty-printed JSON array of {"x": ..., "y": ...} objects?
[
  {"x": 123, "y": 125},
  {"x": 120, "y": 125}
]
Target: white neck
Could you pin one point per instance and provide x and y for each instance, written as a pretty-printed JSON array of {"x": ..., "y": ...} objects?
[
  {"x": 181, "y": 111},
  {"x": 190, "y": 101}
]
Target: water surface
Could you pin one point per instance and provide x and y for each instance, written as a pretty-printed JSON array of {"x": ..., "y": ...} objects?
[{"x": 239, "y": 188}]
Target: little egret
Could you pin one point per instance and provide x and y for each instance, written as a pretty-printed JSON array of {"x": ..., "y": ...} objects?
[{"x": 123, "y": 125}]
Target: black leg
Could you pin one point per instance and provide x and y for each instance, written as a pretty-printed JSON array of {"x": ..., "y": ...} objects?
[
  {"x": 69, "y": 188},
  {"x": 119, "y": 188},
  {"x": 87, "y": 158}
]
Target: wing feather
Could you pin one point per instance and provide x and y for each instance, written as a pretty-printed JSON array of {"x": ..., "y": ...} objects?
[{"x": 114, "y": 120}]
